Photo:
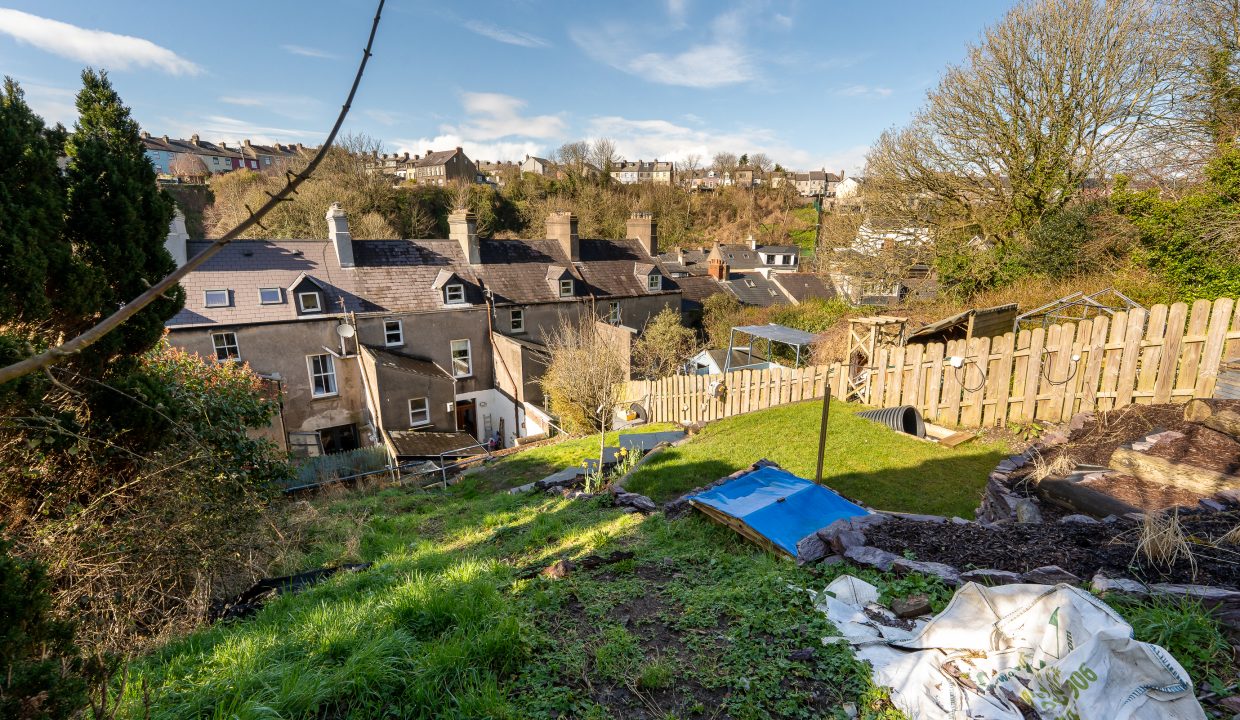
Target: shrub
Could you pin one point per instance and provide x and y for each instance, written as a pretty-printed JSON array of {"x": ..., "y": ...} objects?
[{"x": 42, "y": 672}]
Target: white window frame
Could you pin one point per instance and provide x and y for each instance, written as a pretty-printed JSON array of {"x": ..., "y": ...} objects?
[
  {"x": 613, "y": 312},
  {"x": 454, "y": 294},
  {"x": 327, "y": 372},
  {"x": 516, "y": 320},
  {"x": 279, "y": 296},
  {"x": 388, "y": 332},
  {"x": 425, "y": 412},
  {"x": 318, "y": 301},
  {"x": 219, "y": 341},
  {"x": 566, "y": 287},
  {"x": 469, "y": 358},
  {"x": 206, "y": 298},
  {"x": 654, "y": 281}
]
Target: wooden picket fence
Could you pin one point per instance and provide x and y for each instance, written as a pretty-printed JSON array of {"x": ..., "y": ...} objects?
[{"x": 1165, "y": 354}]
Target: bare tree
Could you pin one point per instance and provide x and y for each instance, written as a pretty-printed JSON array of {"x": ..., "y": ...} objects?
[
  {"x": 586, "y": 375},
  {"x": 724, "y": 164},
  {"x": 573, "y": 156},
  {"x": 1051, "y": 97},
  {"x": 189, "y": 166},
  {"x": 760, "y": 162},
  {"x": 689, "y": 165},
  {"x": 603, "y": 155}
]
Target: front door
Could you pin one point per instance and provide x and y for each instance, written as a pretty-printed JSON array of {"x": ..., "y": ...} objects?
[{"x": 466, "y": 418}]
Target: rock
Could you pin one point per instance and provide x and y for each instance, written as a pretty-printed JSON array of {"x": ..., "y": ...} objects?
[
  {"x": 871, "y": 557},
  {"x": 911, "y": 606},
  {"x": 802, "y": 655},
  {"x": 921, "y": 518},
  {"x": 1212, "y": 505},
  {"x": 959, "y": 521},
  {"x": 832, "y": 560},
  {"x": 811, "y": 548},
  {"x": 1078, "y": 520},
  {"x": 946, "y": 573},
  {"x": 1053, "y": 438},
  {"x": 521, "y": 489},
  {"x": 641, "y": 503},
  {"x": 1027, "y": 512},
  {"x": 1231, "y": 704},
  {"x": 1103, "y": 585},
  {"x": 987, "y": 576},
  {"x": 558, "y": 569},
  {"x": 1050, "y": 575},
  {"x": 1079, "y": 421},
  {"x": 841, "y": 541},
  {"x": 1231, "y": 495}
]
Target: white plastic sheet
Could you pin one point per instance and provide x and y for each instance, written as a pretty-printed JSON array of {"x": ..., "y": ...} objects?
[{"x": 1011, "y": 653}]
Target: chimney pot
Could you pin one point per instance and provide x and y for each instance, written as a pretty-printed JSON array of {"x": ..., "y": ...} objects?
[
  {"x": 193, "y": 139},
  {"x": 338, "y": 234}
]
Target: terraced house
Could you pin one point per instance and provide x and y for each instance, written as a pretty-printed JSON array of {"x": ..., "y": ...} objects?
[{"x": 415, "y": 344}]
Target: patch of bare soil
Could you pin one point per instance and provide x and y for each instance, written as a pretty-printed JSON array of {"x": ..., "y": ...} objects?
[
  {"x": 1095, "y": 443},
  {"x": 1202, "y": 447},
  {"x": 1081, "y": 549},
  {"x": 1141, "y": 493}
]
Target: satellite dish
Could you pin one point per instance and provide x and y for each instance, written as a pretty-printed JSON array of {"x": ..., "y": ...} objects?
[{"x": 345, "y": 330}]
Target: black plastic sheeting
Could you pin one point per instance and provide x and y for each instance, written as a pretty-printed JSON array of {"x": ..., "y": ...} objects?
[
  {"x": 905, "y": 419},
  {"x": 252, "y": 600}
]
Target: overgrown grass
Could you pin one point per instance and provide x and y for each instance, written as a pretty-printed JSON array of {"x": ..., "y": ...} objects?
[
  {"x": 443, "y": 625},
  {"x": 864, "y": 460},
  {"x": 1185, "y": 629}
]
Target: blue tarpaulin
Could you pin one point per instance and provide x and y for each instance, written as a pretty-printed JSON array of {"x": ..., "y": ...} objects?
[{"x": 777, "y": 505}]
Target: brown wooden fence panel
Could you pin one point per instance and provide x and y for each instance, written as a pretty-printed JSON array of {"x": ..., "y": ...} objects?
[{"x": 1165, "y": 354}]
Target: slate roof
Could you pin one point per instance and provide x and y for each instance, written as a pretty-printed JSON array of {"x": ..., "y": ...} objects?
[
  {"x": 421, "y": 443},
  {"x": 804, "y": 286},
  {"x": 738, "y": 257},
  {"x": 752, "y": 288},
  {"x": 436, "y": 158},
  {"x": 399, "y": 275},
  {"x": 393, "y": 360},
  {"x": 697, "y": 288}
]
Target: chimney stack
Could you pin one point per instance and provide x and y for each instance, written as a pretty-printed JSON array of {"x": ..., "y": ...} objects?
[
  {"x": 716, "y": 266},
  {"x": 753, "y": 244},
  {"x": 193, "y": 139},
  {"x": 641, "y": 225},
  {"x": 338, "y": 233},
  {"x": 562, "y": 227},
  {"x": 463, "y": 228}
]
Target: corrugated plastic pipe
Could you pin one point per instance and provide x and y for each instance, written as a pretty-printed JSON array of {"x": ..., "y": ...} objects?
[{"x": 905, "y": 419}]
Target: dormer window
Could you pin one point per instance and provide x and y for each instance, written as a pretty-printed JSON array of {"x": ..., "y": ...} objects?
[
  {"x": 310, "y": 302},
  {"x": 654, "y": 282},
  {"x": 216, "y": 298},
  {"x": 566, "y": 287},
  {"x": 454, "y": 294}
]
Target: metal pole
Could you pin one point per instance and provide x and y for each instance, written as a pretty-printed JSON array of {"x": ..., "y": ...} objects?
[{"x": 822, "y": 432}]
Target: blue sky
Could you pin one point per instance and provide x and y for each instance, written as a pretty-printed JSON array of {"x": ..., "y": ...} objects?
[{"x": 810, "y": 83}]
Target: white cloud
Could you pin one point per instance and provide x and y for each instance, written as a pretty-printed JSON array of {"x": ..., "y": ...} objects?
[
  {"x": 243, "y": 101},
  {"x": 295, "y": 107},
  {"x": 231, "y": 130},
  {"x": 93, "y": 47},
  {"x": 492, "y": 116},
  {"x": 53, "y": 104},
  {"x": 864, "y": 91},
  {"x": 724, "y": 60},
  {"x": 304, "y": 51},
  {"x": 850, "y": 160},
  {"x": 677, "y": 10},
  {"x": 510, "y": 37}
]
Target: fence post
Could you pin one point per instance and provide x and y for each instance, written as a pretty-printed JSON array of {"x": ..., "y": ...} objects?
[{"x": 1212, "y": 354}]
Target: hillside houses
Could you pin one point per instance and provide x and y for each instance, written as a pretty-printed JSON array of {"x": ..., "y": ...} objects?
[
  {"x": 197, "y": 157},
  {"x": 758, "y": 275},
  {"x": 408, "y": 342},
  {"x": 654, "y": 172}
]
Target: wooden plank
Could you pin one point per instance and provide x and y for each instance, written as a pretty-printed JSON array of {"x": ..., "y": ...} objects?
[
  {"x": 1111, "y": 361},
  {"x": 1151, "y": 354},
  {"x": 953, "y": 385},
  {"x": 957, "y": 438},
  {"x": 1169, "y": 356},
  {"x": 1003, "y": 373},
  {"x": 878, "y": 384},
  {"x": 934, "y": 381},
  {"x": 1020, "y": 366},
  {"x": 975, "y": 378},
  {"x": 1190, "y": 359},
  {"x": 1131, "y": 355},
  {"x": 1231, "y": 350},
  {"x": 1058, "y": 377},
  {"x": 912, "y": 384},
  {"x": 1084, "y": 332},
  {"x": 896, "y": 384},
  {"x": 1051, "y": 352},
  {"x": 991, "y": 390},
  {"x": 1212, "y": 354},
  {"x": 1096, "y": 354},
  {"x": 1166, "y": 472},
  {"x": 1033, "y": 376}
]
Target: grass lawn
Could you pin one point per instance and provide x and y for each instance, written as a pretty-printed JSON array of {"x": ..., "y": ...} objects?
[
  {"x": 864, "y": 460},
  {"x": 677, "y": 619}
]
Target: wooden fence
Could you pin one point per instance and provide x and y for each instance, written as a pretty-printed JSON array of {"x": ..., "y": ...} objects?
[{"x": 1165, "y": 354}]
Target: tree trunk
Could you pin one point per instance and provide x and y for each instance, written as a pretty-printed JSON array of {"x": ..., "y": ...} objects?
[
  {"x": 1214, "y": 414},
  {"x": 1160, "y": 470}
]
